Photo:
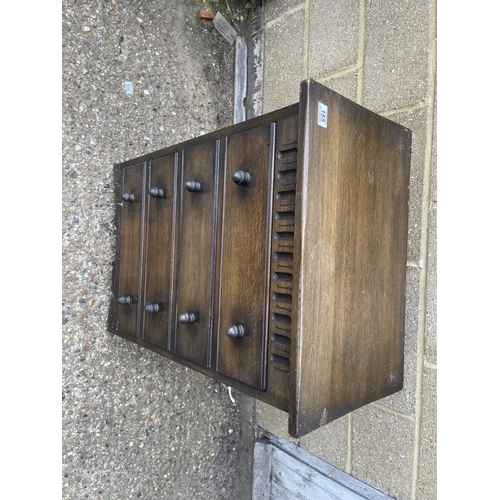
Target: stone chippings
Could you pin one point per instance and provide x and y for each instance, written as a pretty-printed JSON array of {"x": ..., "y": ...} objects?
[{"x": 134, "y": 424}]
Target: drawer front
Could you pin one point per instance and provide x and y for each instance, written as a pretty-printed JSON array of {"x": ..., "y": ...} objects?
[
  {"x": 130, "y": 250},
  {"x": 197, "y": 231},
  {"x": 243, "y": 304},
  {"x": 160, "y": 191}
]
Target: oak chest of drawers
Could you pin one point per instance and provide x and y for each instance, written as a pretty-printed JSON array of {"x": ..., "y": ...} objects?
[{"x": 271, "y": 255}]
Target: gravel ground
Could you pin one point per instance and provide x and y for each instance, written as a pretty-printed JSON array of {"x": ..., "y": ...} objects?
[{"x": 134, "y": 424}]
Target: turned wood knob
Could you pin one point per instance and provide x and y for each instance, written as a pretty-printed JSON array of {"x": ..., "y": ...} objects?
[
  {"x": 235, "y": 331},
  {"x": 153, "y": 308},
  {"x": 242, "y": 178},
  {"x": 157, "y": 193},
  {"x": 193, "y": 186},
  {"x": 187, "y": 318},
  {"x": 130, "y": 197},
  {"x": 125, "y": 300}
]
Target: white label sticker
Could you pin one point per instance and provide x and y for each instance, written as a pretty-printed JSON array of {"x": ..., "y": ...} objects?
[
  {"x": 322, "y": 115},
  {"x": 129, "y": 87}
]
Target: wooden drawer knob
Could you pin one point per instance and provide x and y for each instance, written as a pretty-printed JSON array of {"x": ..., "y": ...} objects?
[
  {"x": 242, "y": 178},
  {"x": 235, "y": 331},
  {"x": 125, "y": 300},
  {"x": 153, "y": 308},
  {"x": 193, "y": 186},
  {"x": 188, "y": 318},
  {"x": 130, "y": 197},
  {"x": 157, "y": 193}
]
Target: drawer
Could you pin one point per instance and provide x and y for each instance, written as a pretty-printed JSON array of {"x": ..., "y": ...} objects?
[
  {"x": 161, "y": 196},
  {"x": 130, "y": 249},
  {"x": 197, "y": 231},
  {"x": 244, "y": 282}
]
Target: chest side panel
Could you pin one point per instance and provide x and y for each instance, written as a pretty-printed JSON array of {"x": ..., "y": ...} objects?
[{"x": 354, "y": 224}]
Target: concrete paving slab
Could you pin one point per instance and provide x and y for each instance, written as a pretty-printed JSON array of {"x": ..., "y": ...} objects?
[
  {"x": 333, "y": 35},
  {"x": 284, "y": 61},
  {"x": 396, "y": 53},
  {"x": 329, "y": 442},
  {"x": 433, "y": 192},
  {"x": 431, "y": 312},
  {"x": 274, "y": 8},
  {"x": 416, "y": 121},
  {"x": 346, "y": 85},
  {"x": 382, "y": 453},
  {"x": 426, "y": 485},
  {"x": 273, "y": 420}
]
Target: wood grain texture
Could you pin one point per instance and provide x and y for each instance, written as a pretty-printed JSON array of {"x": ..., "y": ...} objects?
[
  {"x": 220, "y": 134},
  {"x": 335, "y": 481},
  {"x": 306, "y": 251},
  {"x": 281, "y": 328},
  {"x": 129, "y": 273},
  {"x": 195, "y": 282},
  {"x": 158, "y": 250},
  {"x": 352, "y": 213},
  {"x": 245, "y": 250}
]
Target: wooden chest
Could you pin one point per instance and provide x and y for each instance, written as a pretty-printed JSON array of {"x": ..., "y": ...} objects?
[{"x": 271, "y": 255}]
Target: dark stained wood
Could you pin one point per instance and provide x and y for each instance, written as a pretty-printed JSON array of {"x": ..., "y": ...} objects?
[
  {"x": 220, "y": 134},
  {"x": 352, "y": 214},
  {"x": 281, "y": 404},
  {"x": 130, "y": 249},
  {"x": 195, "y": 287},
  {"x": 281, "y": 328},
  {"x": 245, "y": 256},
  {"x": 291, "y": 234},
  {"x": 158, "y": 250}
]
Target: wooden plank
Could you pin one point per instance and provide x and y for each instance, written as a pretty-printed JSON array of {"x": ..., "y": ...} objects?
[
  {"x": 305, "y": 482},
  {"x": 224, "y": 28},
  {"x": 240, "y": 80},
  {"x": 278, "y": 492},
  {"x": 352, "y": 211},
  {"x": 261, "y": 486},
  {"x": 245, "y": 251},
  {"x": 325, "y": 469}
]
